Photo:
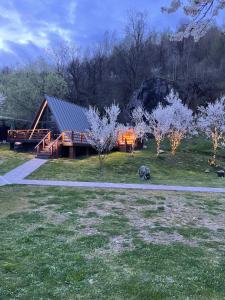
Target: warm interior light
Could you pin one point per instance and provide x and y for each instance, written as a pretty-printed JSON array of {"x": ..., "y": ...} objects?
[{"x": 129, "y": 137}]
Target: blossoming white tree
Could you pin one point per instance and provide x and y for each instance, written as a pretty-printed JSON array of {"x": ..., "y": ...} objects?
[
  {"x": 139, "y": 123},
  {"x": 211, "y": 121},
  {"x": 174, "y": 121},
  {"x": 103, "y": 132},
  {"x": 158, "y": 125},
  {"x": 180, "y": 119},
  {"x": 201, "y": 13}
]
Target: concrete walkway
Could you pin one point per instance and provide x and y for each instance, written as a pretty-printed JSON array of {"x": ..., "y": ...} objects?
[
  {"x": 3, "y": 181},
  {"x": 121, "y": 186},
  {"x": 22, "y": 171},
  {"x": 18, "y": 175}
]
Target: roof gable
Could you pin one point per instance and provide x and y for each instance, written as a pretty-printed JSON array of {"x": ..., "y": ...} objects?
[{"x": 68, "y": 116}]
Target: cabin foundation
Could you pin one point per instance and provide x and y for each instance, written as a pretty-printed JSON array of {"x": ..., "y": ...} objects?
[{"x": 72, "y": 152}]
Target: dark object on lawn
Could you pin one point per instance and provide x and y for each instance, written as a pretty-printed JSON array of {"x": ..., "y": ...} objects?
[
  {"x": 144, "y": 173},
  {"x": 161, "y": 208},
  {"x": 221, "y": 173}
]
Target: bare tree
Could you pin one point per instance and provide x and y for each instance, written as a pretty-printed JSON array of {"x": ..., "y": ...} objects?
[
  {"x": 61, "y": 56},
  {"x": 131, "y": 50}
]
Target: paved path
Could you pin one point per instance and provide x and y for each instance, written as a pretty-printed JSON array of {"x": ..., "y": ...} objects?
[
  {"x": 23, "y": 170},
  {"x": 120, "y": 186},
  {"x": 3, "y": 181},
  {"x": 18, "y": 175}
]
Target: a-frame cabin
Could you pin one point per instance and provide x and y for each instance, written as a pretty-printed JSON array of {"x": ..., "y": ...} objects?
[{"x": 58, "y": 129}]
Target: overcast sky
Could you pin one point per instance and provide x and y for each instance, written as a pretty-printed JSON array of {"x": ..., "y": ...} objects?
[{"x": 27, "y": 27}]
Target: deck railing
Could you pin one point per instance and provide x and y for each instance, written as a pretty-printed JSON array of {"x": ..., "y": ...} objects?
[
  {"x": 40, "y": 135},
  {"x": 45, "y": 141},
  {"x": 36, "y": 135},
  {"x": 74, "y": 137},
  {"x": 54, "y": 146}
]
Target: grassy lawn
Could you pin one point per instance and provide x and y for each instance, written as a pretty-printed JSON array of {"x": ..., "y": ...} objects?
[
  {"x": 186, "y": 168},
  {"x": 63, "y": 243},
  {"x": 11, "y": 159}
]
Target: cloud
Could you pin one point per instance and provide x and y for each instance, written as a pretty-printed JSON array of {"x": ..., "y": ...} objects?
[
  {"x": 26, "y": 25},
  {"x": 72, "y": 7}
]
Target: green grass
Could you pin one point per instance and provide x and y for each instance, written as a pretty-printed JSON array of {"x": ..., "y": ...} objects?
[
  {"x": 11, "y": 159},
  {"x": 65, "y": 243},
  {"x": 151, "y": 212},
  {"x": 186, "y": 168}
]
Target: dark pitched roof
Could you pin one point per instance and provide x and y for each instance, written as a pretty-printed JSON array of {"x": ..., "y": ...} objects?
[{"x": 68, "y": 116}]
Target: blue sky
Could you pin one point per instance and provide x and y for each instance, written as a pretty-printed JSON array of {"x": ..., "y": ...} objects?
[{"x": 28, "y": 27}]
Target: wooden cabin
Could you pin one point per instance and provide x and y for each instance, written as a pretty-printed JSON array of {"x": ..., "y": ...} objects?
[
  {"x": 128, "y": 141},
  {"x": 58, "y": 130}
]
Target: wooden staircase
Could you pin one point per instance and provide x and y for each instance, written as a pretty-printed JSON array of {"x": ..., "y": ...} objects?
[
  {"x": 45, "y": 153},
  {"x": 48, "y": 148}
]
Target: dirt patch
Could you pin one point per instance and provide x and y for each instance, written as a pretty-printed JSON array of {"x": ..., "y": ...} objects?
[
  {"x": 51, "y": 216},
  {"x": 87, "y": 226},
  {"x": 120, "y": 243},
  {"x": 93, "y": 210},
  {"x": 88, "y": 231},
  {"x": 176, "y": 219},
  {"x": 164, "y": 238},
  {"x": 117, "y": 244},
  {"x": 174, "y": 213}
]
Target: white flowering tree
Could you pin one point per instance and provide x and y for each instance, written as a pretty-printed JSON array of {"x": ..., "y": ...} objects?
[
  {"x": 103, "y": 131},
  {"x": 174, "y": 121},
  {"x": 139, "y": 123},
  {"x": 211, "y": 121},
  {"x": 158, "y": 125},
  {"x": 180, "y": 119},
  {"x": 201, "y": 13}
]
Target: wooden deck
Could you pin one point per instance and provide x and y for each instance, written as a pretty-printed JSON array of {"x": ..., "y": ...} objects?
[
  {"x": 68, "y": 138},
  {"x": 47, "y": 144},
  {"x": 28, "y": 136}
]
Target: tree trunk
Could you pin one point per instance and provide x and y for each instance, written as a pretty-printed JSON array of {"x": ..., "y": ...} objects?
[
  {"x": 175, "y": 140},
  {"x": 158, "y": 142},
  {"x": 101, "y": 166},
  {"x": 132, "y": 150},
  {"x": 215, "y": 139}
]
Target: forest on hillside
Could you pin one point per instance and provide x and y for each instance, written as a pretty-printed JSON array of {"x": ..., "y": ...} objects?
[{"x": 140, "y": 67}]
